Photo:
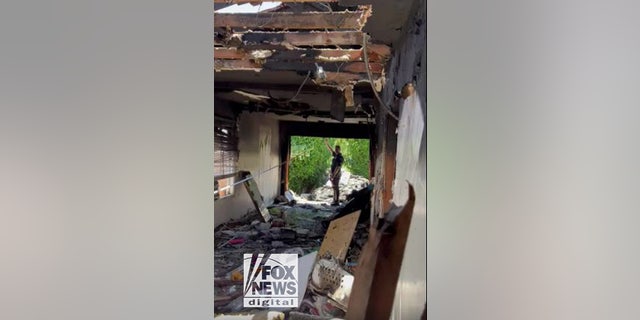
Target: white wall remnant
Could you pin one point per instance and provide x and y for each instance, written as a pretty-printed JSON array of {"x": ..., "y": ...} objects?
[
  {"x": 408, "y": 65},
  {"x": 258, "y": 151}
]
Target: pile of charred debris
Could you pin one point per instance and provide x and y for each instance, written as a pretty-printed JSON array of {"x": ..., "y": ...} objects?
[{"x": 328, "y": 241}]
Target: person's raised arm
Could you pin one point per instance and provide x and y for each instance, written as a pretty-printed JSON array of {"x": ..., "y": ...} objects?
[{"x": 328, "y": 146}]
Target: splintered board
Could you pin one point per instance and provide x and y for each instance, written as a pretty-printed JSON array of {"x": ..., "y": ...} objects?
[
  {"x": 256, "y": 197},
  {"x": 336, "y": 241}
]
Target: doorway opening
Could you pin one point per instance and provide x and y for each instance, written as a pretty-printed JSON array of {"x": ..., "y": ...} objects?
[{"x": 310, "y": 163}]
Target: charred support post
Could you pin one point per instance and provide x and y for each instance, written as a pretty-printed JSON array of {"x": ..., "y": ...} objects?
[
  {"x": 385, "y": 161},
  {"x": 380, "y": 264},
  {"x": 391, "y": 146},
  {"x": 372, "y": 156},
  {"x": 389, "y": 263},
  {"x": 285, "y": 155}
]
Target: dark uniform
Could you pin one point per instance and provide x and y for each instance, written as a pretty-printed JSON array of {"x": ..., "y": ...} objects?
[{"x": 336, "y": 172}]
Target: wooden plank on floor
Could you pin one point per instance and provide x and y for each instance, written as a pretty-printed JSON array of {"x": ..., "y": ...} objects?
[
  {"x": 341, "y": 20},
  {"x": 338, "y": 237}
]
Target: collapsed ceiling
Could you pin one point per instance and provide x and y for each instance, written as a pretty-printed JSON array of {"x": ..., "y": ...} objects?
[{"x": 304, "y": 57}]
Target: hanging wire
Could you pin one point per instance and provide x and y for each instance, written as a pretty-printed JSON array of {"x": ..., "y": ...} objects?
[
  {"x": 366, "y": 64},
  {"x": 301, "y": 85}
]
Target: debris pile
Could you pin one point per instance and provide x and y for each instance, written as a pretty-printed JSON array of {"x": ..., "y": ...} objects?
[{"x": 328, "y": 249}]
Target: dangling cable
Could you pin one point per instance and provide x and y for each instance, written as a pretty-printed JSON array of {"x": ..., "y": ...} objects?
[{"x": 301, "y": 85}]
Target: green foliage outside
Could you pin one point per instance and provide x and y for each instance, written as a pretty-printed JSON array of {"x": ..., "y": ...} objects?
[{"x": 311, "y": 160}]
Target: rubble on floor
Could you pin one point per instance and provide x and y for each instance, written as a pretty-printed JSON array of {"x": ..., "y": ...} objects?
[
  {"x": 300, "y": 229},
  {"x": 329, "y": 287}
]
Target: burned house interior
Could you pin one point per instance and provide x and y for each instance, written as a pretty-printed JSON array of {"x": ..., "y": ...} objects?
[{"x": 348, "y": 69}]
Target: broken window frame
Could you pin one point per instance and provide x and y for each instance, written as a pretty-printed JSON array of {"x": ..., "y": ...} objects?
[{"x": 225, "y": 155}]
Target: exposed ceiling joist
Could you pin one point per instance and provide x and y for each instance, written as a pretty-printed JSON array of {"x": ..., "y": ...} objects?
[
  {"x": 364, "y": 89},
  {"x": 375, "y": 52},
  {"x": 271, "y": 76},
  {"x": 294, "y": 39},
  {"x": 307, "y": 88},
  {"x": 346, "y": 67},
  {"x": 342, "y": 20}
]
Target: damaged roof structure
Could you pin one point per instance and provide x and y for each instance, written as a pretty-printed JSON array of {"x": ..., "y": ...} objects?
[
  {"x": 305, "y": 63},
  {"x": 332, "y": 68}
]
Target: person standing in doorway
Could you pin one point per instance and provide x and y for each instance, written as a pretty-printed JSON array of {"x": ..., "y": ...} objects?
[{"x": 336, "y": 171}]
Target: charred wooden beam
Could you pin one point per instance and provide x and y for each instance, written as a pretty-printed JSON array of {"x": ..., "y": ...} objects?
[
  {"x": 347, "y": 67},
  {"x": 351, "y": 67},
  {"x": 326, "y": 129},
  {"x": 375, "y": 53},
  {"x": 390, "y": 151},
  {"x": 258, "y": 2},
  {"x": 342, "y": 20},
  {"x": 364, "y": 90},
  {"x": 307, "y": 88},
  {"x": 230, "y": 53},
  {"x": 265, "y": 76},
  {"x": 295, "y": 39}
]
